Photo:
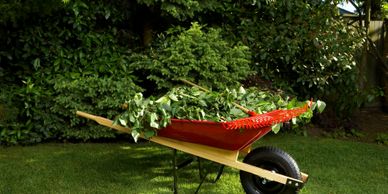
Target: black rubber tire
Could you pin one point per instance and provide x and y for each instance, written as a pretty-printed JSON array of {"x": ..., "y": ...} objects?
[{"x": 273, "y": 159}]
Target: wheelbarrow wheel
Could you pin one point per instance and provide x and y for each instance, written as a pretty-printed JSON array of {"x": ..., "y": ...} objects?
[{"x": 272, "y": 159}]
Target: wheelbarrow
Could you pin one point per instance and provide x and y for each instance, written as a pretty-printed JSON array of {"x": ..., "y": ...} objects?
[{"x": 263, "y": 170}]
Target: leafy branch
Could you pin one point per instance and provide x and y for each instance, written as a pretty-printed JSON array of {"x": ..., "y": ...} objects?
[{"x": 147, "y": 115}]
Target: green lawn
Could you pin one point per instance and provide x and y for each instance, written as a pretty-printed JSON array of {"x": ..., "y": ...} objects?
[{"x": 334, "y": 166}]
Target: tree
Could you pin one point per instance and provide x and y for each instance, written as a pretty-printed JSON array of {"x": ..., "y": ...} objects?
[{"x": 377, "y": 10}]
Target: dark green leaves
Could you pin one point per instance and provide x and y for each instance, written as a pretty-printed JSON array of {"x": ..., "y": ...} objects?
[
  {"x": 306, "y": 47},
  {"x": 199, "y": 54}
]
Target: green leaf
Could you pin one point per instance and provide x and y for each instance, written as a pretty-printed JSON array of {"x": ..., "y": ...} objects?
[
  {"x": 236, "y": 111},
  {"x": 36, "y": 63},
  {"x": 135, "y": 135},
  {"x": 107, "y": 14},
  {"x": 162, "y": 100},
  {"x": 293, "y": 120},
  {"x": 241, "y": 90},
  {"x": 166, "y": 107},
  {"x": 276, "y": 128},
  {"x": 173, "y": 97},
  {"x": 123, "y": 122},
  {"x": 292, "y": 104},
  {"x": 202, "y": 103},
  {"x": 131, "y": 119},
  {"x": 153, "y": 118},
  {"x": 203, "y": 114},
  {"x": 138, "y": 98},
  {"x": 321, "y": 106},
  {"x": 149, "y": 133}
]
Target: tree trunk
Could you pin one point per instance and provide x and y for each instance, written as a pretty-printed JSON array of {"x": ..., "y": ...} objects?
[
  {"x": 384, "y": 79},
  {"x": 385, "y": 88}
]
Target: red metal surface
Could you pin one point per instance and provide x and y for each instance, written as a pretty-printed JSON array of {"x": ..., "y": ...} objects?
[
  {"x": 256, "y": 121},
  {"x": 232, "y": 135},
  {"x": 211, "y": 133}
]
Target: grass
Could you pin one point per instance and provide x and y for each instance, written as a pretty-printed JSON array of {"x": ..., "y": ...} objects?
[{"x": 334, "y": 166}]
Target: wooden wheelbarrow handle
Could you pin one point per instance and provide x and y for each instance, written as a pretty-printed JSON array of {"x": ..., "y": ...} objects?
[{"x": 104, "y": 121}]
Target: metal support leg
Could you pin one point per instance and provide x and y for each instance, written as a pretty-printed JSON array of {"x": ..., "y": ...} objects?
[
  {"x": 200, "y": 168},
  {"x": 202, "y": 174},
  {"x": 220, "y": 171},
  {"x": 202, "y": 180},
  {"x": 174, "y": 166},
  {"x": 185, "y": 163}
]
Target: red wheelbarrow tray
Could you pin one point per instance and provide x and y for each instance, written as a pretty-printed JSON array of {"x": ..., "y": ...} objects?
[
  {"x": 230, "y": 135},
  {"x": 220, "y": 142},
  {"x": 213, "y": 134}
]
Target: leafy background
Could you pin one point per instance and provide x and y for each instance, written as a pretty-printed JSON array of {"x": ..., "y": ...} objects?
[{"x": 60, "y": 57}]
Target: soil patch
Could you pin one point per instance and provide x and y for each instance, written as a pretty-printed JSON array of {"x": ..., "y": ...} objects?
[
  {"x": 364, "y": 126},
  {"x": 371, "y": 122}
]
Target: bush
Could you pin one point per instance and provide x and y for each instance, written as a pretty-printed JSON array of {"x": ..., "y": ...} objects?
[
  {"x": 98, "y": 95},
  {"x": 26, "y": 119},
  {"x": 72, "y": 60},
  {"x": 382, "y": 138},
  {"x": 200, "y": 55},
  {"x": 304, "y": 46},
  {"x": 82, "y": 58}
]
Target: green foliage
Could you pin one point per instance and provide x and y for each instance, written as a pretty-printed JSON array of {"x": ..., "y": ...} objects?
[
  {"x": 74, "y": 54},
  {"x": 303, "y": 46},
  {"x": 11, "y": 132},
  {"x": 382, "y": 138},
  {"x": 348, "y": 96},
  {"x": 199, "y": 55},
  {"x": 25, "y": 118},
  {"x": 345, "y": 134},
  {"x": 145, "y": 116},
  {"x": 385, "y": 10},
  {"x": 13, "y": 10},
  {"x": 67, "y": 62},
  {"x": 182, "y": 9},
  {"x": 100, "y": 95}
]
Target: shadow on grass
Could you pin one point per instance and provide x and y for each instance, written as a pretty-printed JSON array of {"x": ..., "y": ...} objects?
[{"x": 141, "y": 167}]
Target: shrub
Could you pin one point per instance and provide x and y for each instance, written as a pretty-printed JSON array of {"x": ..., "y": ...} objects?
[
  {"x": 98, "y": 95},
  {"x": 26, "y": 119},
  {"x": 382, "y": 138},
  {"x": 305, "y": 46},
  {"x": 198, "y": 54},
  {"x": 71, "y": 60}
]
